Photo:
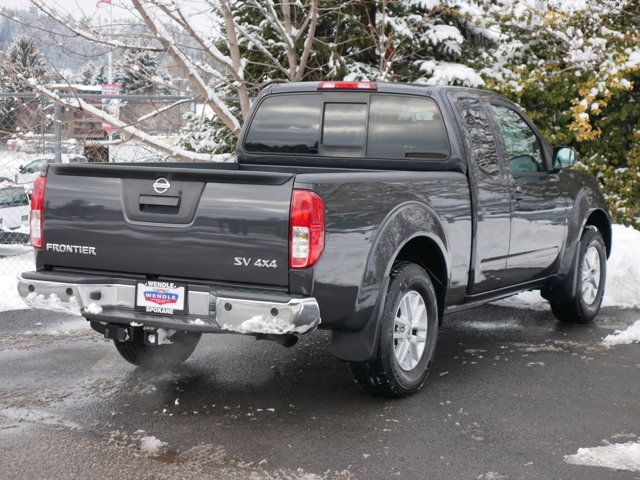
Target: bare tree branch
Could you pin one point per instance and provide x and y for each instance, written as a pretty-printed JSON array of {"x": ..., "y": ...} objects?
[
  {"x": 87, "y": 33},
  {"x": 213, "y": 100}
]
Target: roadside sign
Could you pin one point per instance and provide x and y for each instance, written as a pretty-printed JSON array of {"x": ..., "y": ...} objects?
[{"x": 110, "y": 106}]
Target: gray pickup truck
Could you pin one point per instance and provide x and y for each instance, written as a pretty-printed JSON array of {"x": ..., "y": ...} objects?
[{"x": 368, "y": 209}]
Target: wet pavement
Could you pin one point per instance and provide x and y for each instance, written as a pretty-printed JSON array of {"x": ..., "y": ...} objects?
[{"x": 511, "y": 393}]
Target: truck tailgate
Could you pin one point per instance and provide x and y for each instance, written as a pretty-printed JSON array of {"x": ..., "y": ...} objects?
[{"x": 198, "y": 223}]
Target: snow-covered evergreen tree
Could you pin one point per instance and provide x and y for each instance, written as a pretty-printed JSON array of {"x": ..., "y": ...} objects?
[
  {"x": 25, "y": 59},
  {"x": 137, "y": 70}
]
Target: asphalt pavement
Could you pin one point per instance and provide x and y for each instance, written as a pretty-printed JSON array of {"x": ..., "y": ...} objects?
[{"x": 511, "y": 393}]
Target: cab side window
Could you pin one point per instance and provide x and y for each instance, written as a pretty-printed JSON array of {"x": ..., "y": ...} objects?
[
  {"x": 522, "y": 147},
  {"x": 478, "y": 127}
]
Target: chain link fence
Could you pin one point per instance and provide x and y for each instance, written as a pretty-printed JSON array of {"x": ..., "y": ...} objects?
[{"x": 35, "y": 132}]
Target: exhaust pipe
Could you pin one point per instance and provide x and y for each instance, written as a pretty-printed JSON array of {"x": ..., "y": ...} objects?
[{"x": 286, "y": 341}]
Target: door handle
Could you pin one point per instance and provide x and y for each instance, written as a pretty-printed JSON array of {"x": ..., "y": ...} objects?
[{"x": 159, "y": 201}]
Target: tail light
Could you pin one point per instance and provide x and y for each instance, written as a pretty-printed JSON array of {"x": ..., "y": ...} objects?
[
  {"x": 306, "y": 229},
  {"x": 347, "y": 86},
  {"x": 37, "y": 211}
]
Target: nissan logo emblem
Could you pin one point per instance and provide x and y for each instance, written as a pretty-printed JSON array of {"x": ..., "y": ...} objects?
[{"x": 161, "y": 185}]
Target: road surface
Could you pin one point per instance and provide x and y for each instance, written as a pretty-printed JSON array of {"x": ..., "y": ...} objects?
[{"x": 511, "y": 393}]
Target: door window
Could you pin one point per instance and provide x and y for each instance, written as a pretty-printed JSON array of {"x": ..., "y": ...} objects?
[
  {"x": 479, "y": 132},
  {"x": 521, "y": 143}
]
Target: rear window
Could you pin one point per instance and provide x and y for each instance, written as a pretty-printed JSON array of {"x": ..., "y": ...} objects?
[
  {"x": 286, "y": 124},
  {"x": 387, "y": 126},
  {"x": 344, "y": 125}
]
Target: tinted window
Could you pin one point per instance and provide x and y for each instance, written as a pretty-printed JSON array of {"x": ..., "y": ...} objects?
[
  {"x": 286, "y": 123},
  {"x": 345, "y": 125},
  {"x": 406, "y": 127},
  {"x": 479, "y": 134},
  {"x": 521, "y": 143}
]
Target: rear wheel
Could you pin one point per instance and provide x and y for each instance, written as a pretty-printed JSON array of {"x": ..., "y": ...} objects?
[
  {"x": 591, "y": 277},
  {"x": 407, "y": 337},
  {"x": 158, "y": 357}
]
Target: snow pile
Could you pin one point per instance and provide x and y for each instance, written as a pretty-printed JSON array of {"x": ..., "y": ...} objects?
[
  {"x": 138, "y": 440},
  {"x": 151, "y": 445},
  {"x": 9, "y": 299},
  {"x": 16, "y": 256},
  {"x": 93, "y": 308},
  {"x": 623, "y": 269},
  {"x": 624, "y": 337},
  {"x": 52, "y": 302},
  {"x": 619, "y": 456},
  {"x": 623, "y": 276},
  {"x": 262, "y": 324}
]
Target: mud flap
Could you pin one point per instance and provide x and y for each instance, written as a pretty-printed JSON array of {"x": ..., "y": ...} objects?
[{"x": 361, "y": 346}]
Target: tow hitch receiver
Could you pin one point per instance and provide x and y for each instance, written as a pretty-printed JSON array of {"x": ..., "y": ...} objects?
[
  {"x": 118, "y": 332},
  {"x": 150, "y": 336}
]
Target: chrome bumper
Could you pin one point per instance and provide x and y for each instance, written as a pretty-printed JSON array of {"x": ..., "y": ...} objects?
[{"x": 206, "y": 312}]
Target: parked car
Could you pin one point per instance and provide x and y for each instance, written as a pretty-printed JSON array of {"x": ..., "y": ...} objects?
[
  {"x": 14, "y": 206},
  {"x": 29, "y": 172},
  {"x": 369, "y": 209}
]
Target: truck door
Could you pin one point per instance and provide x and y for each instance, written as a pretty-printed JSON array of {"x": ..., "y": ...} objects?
[
  {"x": 490, "y": 187},
  {"x": 538, "y": 218}
]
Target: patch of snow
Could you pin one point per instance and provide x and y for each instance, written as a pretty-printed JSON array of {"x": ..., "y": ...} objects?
[
  {"x": 164, "y": 336},
  {"x": 10, "y": 300},
  {"x": 93, "y": 309},
  {"x": 52, "y": 302},
  {"x": 623, "y": 269},
  {"x": 525, "y": 300},
  {"x": 151, "y": 445},
  {"x": 263, "y": 324},
  {"x": 448, "y": 73},
  {"x": 618, "y": 456},
  {"x": 624, "y": 337},
  {"x": 36, "y": 416},
  {"x": 18, "y": 255}
]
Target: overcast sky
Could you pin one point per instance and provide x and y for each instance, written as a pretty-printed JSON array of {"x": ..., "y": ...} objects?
[{"x": 118, "y": 8}]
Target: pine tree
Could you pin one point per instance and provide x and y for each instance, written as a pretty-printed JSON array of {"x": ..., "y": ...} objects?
[
  {"x": 137, "y": 70},
  {"x": 26, "y": 60},
  {"x": 413, "y": 40}
]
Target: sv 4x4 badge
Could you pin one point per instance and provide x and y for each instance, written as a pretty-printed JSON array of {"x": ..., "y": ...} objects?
[{"x": 258, "y": 262}]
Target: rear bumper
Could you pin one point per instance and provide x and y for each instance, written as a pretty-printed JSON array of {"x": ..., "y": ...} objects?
[{"x": 112, "y": 301}]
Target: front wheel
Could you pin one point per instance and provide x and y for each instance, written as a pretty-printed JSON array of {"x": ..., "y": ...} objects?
[
  {"x": 407, "y": 336},
  {"x": 158, "y": 357},
  {"x": 591, "y": 277}
]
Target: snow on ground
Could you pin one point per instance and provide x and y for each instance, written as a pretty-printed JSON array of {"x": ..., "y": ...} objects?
[
  {"x": 9, "y": 298},
  {"x": 624, "y": 337},
  {"x": 623, "y": 276},
  {"x": 618, "y": 456},
  {"x": 151, "y": 445}
]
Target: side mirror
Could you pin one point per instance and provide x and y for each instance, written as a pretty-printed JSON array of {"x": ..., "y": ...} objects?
[
  {"x": 21, "y": 168},
  {"x": 564, "y": 157}
]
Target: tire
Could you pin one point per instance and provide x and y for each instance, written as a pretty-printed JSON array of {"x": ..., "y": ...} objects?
[
  {"x": 391, "y": 374},
  {"x": 158, "y": 357},
  {"x": 591, "y": 264}
]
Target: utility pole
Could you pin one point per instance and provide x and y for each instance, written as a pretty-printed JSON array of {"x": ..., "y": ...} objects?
[{"x": 57, "y": 131}]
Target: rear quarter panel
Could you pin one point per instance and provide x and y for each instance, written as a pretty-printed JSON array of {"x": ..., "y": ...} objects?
[{"x": 369, "y": 216}]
